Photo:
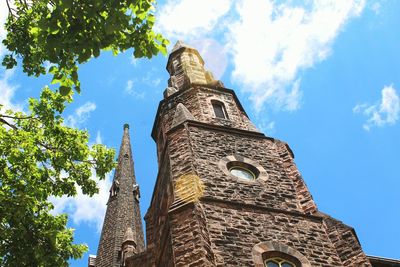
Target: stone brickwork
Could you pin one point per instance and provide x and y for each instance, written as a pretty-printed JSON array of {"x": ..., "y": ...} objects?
[
  {"x": 186, "y": 67},
  {"x": 201, "y": 214},
  {"x": 122, "y": 210},
  {"x": 197, "y": 100},
  {"x": 303, "y": 196},
  {"x": 277, "y": 192},
  {"x": 157, "y": 224},
  {"x": 346, "y": 242},
  {"x": 232, "y": 218},
  {"x": 190, "y": 238},
  {"x": 235, "y": 229}
]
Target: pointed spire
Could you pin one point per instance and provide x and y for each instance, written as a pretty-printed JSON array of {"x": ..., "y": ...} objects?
[
  {"x": 125, "y": 159},
  {"x": 123, "y": 211},
  {"x": 181, "y": 114}
]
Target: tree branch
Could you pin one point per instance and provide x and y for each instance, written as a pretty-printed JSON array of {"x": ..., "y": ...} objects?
[
  {"x": 9, "y": 124},
  {"x": 10, "y": 9},
  {"x": 17, "y": 118}
]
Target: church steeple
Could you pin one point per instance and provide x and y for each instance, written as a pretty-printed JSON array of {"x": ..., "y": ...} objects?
[
  {"x": 123, "y": 213},
  {"x": 186, "y": 67},
  {"x": 225, "y": 194}
]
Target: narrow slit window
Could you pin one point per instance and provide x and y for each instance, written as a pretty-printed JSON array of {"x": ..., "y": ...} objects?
[
  {"x": 219, "y": 110},
  {"x": 119, "y": 257}
]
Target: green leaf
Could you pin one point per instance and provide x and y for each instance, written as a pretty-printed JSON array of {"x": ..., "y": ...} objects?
[
  {"x": 64, "y": 90},
  {"x": 65, "y": 34},
  {"x": 96, "y": 52},
  {"x": 74, "y": 76},
  {"x": 34, "y": 31},
  {"x": 53, "y": 69}
]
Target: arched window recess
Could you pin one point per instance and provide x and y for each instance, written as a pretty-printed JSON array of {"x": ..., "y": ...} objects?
[
  {"x": 114, "y": 189},
  {"x": 219, "y": 109},
  {"x": 277, "y": 254}
]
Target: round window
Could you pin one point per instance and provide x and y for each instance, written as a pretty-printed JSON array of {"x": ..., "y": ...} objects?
[
  {"x": 242, "y": 170},
  {"x": 242, "y": 173}
]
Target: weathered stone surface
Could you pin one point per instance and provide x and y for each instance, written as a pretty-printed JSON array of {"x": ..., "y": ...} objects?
[
  {"x": 233, "y": 216},
  {"x": 186, "y": 67},
  {"x": 202, "y": 215},
  {"x": 346, "y": 242},
  {"x": 182, "y": 114},
  {"x": 122, "y": 210},
  {"x": 169, "y": 91}
]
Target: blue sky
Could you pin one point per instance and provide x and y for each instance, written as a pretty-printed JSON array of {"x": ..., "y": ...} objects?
[{"x": 323, "y": 76}]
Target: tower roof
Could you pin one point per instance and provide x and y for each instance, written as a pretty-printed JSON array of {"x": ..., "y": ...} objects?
[
  {"x": 122, "y": 220},
  {"x": 125, "y": 159},
  {"x": 179, "y": 44}
]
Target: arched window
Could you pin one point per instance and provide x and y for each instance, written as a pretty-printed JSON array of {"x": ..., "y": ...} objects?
[
  {"x": 279, "y": 259},
  {"x": 278, "y": 262},
  {"x": 276, "y": 254},
  {"x": 219, "y": 109},
  {"x": 114, "y": 189}
]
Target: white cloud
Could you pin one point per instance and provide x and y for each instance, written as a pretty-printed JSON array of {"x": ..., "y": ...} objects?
[
  {"x": 99, "y": 139},
  {"x": 3, "y": 17},
  {"x": 287, "y": 39},
  {"x": 194, "y": 22},
  {"x": 385, "y": 113},
  {"x": 81, "y": 115},
  {"x": 268, "y": 42},
  {"x": 267, "y": 127},
  {"x": 376, "y": 7},
  {"x": 82, "y": 208},
  {"x": 184, "y": 18},
  {"x": 149, "y": 79},
  {"x": 134, "y": 61},
  {"x": 85, "y": 209},
  {"x": 156, "y": 82},
  {"x": 214, "y": 55},
  {"x": 129, "y": 89},
  {"x": 7, "y": 92}
]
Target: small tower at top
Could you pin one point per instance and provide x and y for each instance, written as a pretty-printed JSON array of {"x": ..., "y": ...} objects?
[
  {"x": 123, "y": 218},
  {"x": 186, "y": 66}
]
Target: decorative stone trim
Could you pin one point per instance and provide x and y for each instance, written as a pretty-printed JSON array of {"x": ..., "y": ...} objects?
[
  {"x": 272, "y": 246},
  {"x": 224, "y": 162}
]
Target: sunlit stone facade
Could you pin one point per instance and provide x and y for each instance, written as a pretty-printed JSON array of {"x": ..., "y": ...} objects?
[{"x": 225, "y": 194}]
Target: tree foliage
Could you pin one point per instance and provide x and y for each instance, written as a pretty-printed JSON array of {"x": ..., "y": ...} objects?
[
  {"x": 68, "y": 32},
  {"x": 40, "y": 156}
]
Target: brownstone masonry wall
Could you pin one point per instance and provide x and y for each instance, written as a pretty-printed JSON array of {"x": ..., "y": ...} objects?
[{"x": 203, "y": 215}]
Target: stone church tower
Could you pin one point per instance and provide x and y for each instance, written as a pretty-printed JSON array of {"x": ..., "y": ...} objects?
[{"x": 225, "y": 195}]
